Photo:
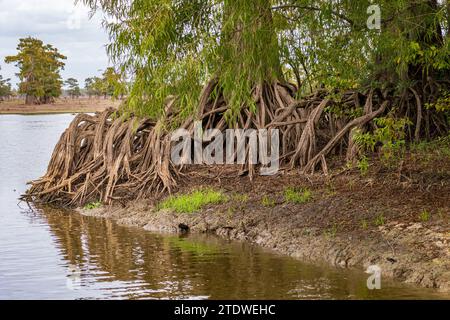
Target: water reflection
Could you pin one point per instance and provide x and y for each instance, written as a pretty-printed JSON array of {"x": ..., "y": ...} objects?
[
  {"x": 119, "y": 262},
  {"x": 53, "y": 254}
]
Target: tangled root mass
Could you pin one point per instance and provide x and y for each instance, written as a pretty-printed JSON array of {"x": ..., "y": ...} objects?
[{"x": 106, "y": 157}]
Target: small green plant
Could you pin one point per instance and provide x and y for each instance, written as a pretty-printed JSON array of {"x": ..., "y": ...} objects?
[
  {"x": 242, "y": 198},
  {"x": 93, "y": 205},
  {"x": 364, "y": 224},
  {"x": 268, "y": 202},
  {"x": 380, "y": 220},
  {"x": 192, "y": 202},
  {"x": 363, "y": 165},
  {"x": 297, "y": 195},
  {"x": 424, "y": 216}
]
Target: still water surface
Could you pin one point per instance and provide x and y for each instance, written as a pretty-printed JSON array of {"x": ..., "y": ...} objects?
[{"x": 52, "y": 254}]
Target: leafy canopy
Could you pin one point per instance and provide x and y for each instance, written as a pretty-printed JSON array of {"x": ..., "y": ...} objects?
[
  {"x": 173, "y": 47},
  {"x": 73, "y": 87},
  {"x": 112, "y": 84},
  {"x": 39, "y": 66}
]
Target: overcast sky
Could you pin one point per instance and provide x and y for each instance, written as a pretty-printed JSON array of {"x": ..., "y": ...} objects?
[{"x": 57, "y": 22}]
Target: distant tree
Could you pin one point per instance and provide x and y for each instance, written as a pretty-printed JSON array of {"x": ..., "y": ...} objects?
[
  {"x": 99, "y": 87},
  {"x": 89, "y": 87},
  {"x": 95, "y": 86},
  {"x": 113, "y": 83},
  {"x": 110, "y": 78},
  {"x": 39, "y": 66},
  {"x": 5, "y": 88},
  {"x": 14, "y": 93},
  {"x": 74, "y": 89}
]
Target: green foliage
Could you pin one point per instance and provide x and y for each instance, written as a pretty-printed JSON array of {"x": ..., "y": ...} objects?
[
  {"x": 73, "y": 87},
  {"x": 442, "y": 104},
  {"x": 93, "y": 205},
  {"x": 340, "y": 110},
  {"x": 297, "y": 195},
  {"x": 248, "y": 51},
  {"x": 364, "y": 224},
  {"x": 363, "y": 165},
  {"x": 424, "y": 216},
  {"x": 389, "y": 135},
  {"x": 111, "y": 84},
  {"x": 39, "y": 66},
  {"x": 91, "y": 86},
  {"x": 429, "y": 55},
  {"x": 171, "y": 48},
  {"x": 380, "y": 220},
  {"x": 268, "y": 202},
  {"x": 192, "y": 202},
  {"x": 5, "y": 88}
]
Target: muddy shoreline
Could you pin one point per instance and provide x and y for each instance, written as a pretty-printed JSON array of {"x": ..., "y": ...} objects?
[{"x": 327, "y": 229}]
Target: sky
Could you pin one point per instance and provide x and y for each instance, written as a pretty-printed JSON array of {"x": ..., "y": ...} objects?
[{"x": 60, "y": 23}]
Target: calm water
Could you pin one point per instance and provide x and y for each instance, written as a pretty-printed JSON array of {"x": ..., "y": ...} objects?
[{"x": 48, "y": 254}]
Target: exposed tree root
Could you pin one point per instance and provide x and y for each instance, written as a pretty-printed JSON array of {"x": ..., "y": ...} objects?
[{"x": 106, "y": 157}]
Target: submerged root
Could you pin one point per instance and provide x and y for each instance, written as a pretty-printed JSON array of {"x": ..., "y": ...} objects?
[{"x": 106, "y": 157}]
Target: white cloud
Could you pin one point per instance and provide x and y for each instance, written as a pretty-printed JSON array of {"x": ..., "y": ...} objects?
[{"x": 60, "y": 23}]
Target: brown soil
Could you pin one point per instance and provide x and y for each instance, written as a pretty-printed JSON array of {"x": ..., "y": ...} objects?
[
  {"x": 67, "y": 105},
  {"x": 351, "y": 221}
]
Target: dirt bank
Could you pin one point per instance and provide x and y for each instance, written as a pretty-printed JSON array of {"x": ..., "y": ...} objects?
[
  {"x": 81, "y": 105},
  {"x": 396, "y": 218}
]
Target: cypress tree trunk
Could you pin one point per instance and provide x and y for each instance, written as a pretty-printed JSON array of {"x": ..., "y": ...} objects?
[{"x": 30, "y": 100}]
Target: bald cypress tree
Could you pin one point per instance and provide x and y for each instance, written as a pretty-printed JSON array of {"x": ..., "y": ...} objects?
[
  {"x": 334, "y": 77},
  {"x": 5, "y": 88},
  {"x": 39, "y": 66}
]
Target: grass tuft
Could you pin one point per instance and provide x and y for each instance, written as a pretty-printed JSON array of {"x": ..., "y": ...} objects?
[
  {"x": 192, "y": 202},
  {"x": 298, "y": 196},
  {"x": 267, "y": 202},
  {"x": 424, "y": 216},
  {"x": 380, "y": 220},
  {"x": 364, "y": 224}
]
